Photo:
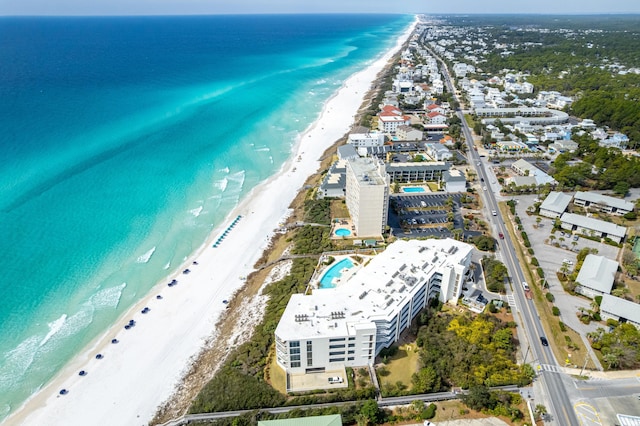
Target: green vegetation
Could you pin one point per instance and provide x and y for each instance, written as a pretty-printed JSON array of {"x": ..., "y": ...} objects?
[
  {"x": 497, "y": 403},
  {"x": 244, "y": 367},
  {"x": 318, "y": 211},
  {"x": 619, "y": 349},
  {"x": 484, "y": 243},
  {"x": 466, "y": 351},
  {"x": 495, "y": 274},
  {"x": 610, "y": 165},
  {"x": 312, "y": 239}
]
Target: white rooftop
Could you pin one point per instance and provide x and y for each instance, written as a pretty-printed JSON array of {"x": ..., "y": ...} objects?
[
  {"x": 598, "y": 273},
  {"x": 373, "y": 292},
  {"x": 621, "y": 307},
  {"x": 593, "y": 197},
  {"x": 556, "y": 202},
  {"x": 367, "y": 170},
  {"x": 595, "y": 224}
]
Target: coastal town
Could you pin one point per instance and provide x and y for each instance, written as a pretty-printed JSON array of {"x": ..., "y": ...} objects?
[
  {"x": 451, "y": 173},
  {"x": 467, "y": 251}
]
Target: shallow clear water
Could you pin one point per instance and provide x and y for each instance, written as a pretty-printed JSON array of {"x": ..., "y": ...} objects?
[{"x": 125, "y": 141}]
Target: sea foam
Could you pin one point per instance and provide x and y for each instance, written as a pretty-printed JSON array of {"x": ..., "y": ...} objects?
[
  {"x": 108, "y": 297},
  {"x": 146, "y": 257}
]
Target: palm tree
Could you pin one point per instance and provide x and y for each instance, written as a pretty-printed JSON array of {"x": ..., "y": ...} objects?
[
  {"x": 574, "y": 244},
  {"x": 551, "y": 238},
  {"x": 538, "y": 220}
]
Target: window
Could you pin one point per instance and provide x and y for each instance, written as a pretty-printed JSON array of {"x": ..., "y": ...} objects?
[
  {"x": 295, "y": 364},
  {"x": 294, "y": 351},
  {"x": 350, "y": 358},
  {"x": 352, "y": 345},
  {"x": 351, "y": 352},
  {"x": 339, "y": 339},
  {"x": 352, "y": 338},
  {"x": 336, "y": 353},
  {"x": 336, "y": 346},
  {"x": 295, "y": 357},
  {"x": 294, "y": 344},
  {"x": 336, "y": 359}
]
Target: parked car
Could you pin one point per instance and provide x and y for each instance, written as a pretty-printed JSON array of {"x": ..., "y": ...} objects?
[
  {"x": 335, "y": 379},
  {"x": 544, "y": 341}
]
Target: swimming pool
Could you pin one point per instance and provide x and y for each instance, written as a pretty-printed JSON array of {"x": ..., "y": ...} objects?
[
  {"x": 412, "y": 189},
  {"x": 335, "y": 271},
  {"x": 342, "y": 232}
]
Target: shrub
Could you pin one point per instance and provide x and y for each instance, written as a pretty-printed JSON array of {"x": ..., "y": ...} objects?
[
  {"x": 556, "y": 311},
  {"x": 429, "y": 412},
  {"x": 562, "y": 326},
  {"x": 550, "y": 297},
  {"x": 611, "y": 322},
  {"x": 540, "y": 272},
  {"x": 530, "y": 250},
  {"x": 534, "y": 261},
  {"x": 630, "y": 216}
]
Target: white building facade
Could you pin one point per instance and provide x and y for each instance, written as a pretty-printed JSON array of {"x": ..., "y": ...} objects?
[
  {"x": 348, "y": 325},
  {"x": 367, "y": 195},
  {"x": 366, "y": 139}
]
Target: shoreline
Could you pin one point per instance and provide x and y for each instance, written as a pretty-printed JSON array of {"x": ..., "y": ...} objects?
[{"x": 153, "y": 357}]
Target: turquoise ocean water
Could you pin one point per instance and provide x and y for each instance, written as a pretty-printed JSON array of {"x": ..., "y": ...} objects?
[{"x": 125, "y": 141}]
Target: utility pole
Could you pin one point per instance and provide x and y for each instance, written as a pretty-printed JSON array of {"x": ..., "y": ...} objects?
[
  {"x": 526, "y": 354},
  {"x": 586, "y": 358}
]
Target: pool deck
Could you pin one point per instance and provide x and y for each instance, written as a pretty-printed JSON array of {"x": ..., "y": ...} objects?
[
  {"x": 342, "y": 224},
  {"x": 345, "y": 273}
]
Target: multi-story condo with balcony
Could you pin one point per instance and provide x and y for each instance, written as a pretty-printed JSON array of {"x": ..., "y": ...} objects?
[
  {"x": 367, "y": 195},
  {"x": 348, "y": 325}
]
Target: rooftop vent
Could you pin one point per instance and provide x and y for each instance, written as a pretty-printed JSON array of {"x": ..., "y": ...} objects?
[
  {"x": 302, "y": 318},
  {"x": 337, "y": 315},
  {"x": 362, "y": 296}
]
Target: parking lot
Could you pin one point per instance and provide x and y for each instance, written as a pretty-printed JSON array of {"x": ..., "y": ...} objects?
[
  {"x": 424, "y": 215},
  {"x": 552, "y": 258}
]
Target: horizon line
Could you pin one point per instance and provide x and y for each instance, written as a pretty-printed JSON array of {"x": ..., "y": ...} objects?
[{"x": 320, "y": 13}]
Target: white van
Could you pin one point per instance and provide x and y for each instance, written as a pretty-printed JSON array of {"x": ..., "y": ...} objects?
[{"x": 335, "y": 379}]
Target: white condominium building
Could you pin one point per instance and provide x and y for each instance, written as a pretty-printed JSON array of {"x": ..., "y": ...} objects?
[
  {"x": 348, "y": 325},
  {"x": 367, "y": 195},
  {"x": 366, "y": 140}
]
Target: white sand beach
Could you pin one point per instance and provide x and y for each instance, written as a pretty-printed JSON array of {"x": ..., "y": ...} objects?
[{"x": 141, "y": 371}]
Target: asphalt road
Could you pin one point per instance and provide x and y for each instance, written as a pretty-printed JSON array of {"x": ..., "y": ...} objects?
[{"x": 558, "y": 403}]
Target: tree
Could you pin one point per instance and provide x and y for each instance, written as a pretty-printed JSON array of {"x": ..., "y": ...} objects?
[
  {"x": 370, "y": 411},
  {"x": 540, "y": 411},
  {"x": 424, "y": 380},
  {"x": 479, "y": 398},
  {"x": 538, "y": 220}
]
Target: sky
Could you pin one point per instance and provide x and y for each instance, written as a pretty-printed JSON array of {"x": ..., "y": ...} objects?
[{"x": 196, "y": 7}]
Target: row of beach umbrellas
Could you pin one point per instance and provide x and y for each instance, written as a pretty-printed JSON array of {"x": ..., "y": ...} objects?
[{"x": 226, "y": 231}]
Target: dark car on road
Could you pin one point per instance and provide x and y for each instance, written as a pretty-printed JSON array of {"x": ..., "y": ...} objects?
[{"x": 544, "y": 341}]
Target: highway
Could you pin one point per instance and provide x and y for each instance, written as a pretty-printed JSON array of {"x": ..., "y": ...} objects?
[{"x": 558, "y": 403}]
